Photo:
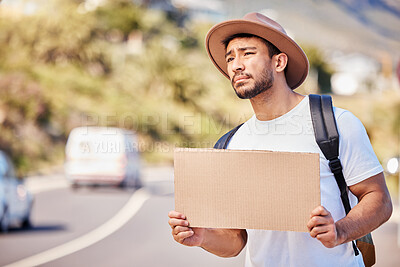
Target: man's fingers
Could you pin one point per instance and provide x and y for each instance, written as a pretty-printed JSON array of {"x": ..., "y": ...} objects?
[
  {"x": 175, "y": 214},
  {"x": 180, "y": 237},
  {"x": 319, "y": 211},
  {"x": 316, "y": 221},
  {"x": 323, "y": 228},
  {"x": 179, "y": 229},
  {"x": 177, "y": 222},
  {"x": 318, "y": 230},
  {"x": 319, "y": 217}
]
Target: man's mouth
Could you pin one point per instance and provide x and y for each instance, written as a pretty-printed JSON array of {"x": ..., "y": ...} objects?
[{"x": 240, "y": 78}]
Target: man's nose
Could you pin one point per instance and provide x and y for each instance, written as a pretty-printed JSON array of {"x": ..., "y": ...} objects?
[{"x": 237, "y": 65}]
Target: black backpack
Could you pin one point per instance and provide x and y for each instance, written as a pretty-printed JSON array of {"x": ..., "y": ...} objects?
[{"x": 327, "y": 138}]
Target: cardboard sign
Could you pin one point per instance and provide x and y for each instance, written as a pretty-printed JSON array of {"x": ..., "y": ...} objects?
[{"x": 243, "y": 189}]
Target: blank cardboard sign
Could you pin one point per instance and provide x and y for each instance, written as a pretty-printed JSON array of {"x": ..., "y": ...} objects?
[{"x": 245, "y": 189}]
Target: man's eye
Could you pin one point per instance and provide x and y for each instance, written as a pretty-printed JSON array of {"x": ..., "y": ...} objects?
[
  {"x": 229, "y": 59},
  {"x": 249, "y": 53}
]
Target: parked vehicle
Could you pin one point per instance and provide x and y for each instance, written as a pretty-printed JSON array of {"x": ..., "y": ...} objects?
[
  {"x": 102, "y": 156},
  {"x": 15, "y": 200}
]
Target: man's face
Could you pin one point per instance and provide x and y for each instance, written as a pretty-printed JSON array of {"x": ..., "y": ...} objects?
[{"x": 249, "y": 67}]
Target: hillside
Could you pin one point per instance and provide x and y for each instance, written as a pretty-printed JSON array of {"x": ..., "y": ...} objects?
[{"x": 368, "y": 26}]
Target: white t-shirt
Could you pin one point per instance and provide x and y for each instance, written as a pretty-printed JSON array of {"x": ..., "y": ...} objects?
[{"x": 294, "y": 132}]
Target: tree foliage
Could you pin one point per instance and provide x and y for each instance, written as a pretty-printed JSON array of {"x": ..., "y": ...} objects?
[{"x": 117, "y": 65}]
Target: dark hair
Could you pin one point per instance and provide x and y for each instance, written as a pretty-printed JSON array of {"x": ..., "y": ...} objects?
[{"x": 272, "y": 50}]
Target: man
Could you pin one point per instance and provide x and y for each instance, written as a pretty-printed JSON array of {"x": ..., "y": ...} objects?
[{"x": 265, "y": 65}]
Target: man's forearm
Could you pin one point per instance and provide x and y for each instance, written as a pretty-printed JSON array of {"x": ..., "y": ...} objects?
[
  {"x": 224, "y": 242},
  {"x": 372, "y": 211}
]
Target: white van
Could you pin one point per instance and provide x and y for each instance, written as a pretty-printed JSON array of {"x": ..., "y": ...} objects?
[{"x": 102, "y": 156}]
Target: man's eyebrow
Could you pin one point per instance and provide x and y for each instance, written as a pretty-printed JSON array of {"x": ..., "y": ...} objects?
[
  {"x": 242, "y": 49},
  {"x": 227, "y": 54}
]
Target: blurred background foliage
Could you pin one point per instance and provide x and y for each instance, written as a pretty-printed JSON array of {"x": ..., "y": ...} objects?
[
  {"x": 123, "y": 65},
  {"x": 118, "y": 65}
]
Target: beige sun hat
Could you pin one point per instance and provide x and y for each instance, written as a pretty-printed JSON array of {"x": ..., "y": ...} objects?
[{"x": 266, "y": 28}]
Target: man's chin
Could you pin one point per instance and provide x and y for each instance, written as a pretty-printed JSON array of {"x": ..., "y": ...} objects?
[
  {"x": 241, "y": 91},
  {"x": 243, "y": 94}
]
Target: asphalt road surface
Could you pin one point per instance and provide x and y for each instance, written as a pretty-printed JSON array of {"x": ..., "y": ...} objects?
[
  {"x": 103, "y": 226},
  {"x": 99, "y": 227}
]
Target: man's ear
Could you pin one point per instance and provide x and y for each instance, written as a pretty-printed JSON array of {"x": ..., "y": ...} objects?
[{"x": 281, "y": 61}]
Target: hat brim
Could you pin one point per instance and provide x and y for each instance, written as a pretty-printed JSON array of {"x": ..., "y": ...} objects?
[{"x": 297, "y": 67}]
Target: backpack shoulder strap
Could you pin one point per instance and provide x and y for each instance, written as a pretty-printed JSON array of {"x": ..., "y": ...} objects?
[
  {"x": 223, "y": 142},
  {"x": 327, "y": 138}
]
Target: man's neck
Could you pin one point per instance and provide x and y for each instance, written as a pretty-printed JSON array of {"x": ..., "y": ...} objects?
[{"x": 275, "y": 102}]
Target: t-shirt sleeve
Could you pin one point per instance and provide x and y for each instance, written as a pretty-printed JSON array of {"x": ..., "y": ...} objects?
[{"x": 355, "y": 150}]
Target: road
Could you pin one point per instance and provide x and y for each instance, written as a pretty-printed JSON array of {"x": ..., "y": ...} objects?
[
  {"x": 62, "y": 215},
  {"x": 114, "y": 227}
]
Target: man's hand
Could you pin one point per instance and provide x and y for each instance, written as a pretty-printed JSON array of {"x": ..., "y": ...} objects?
[
  {"x": 221, "y": 242},
  {"x": 181, "y": 231},
  {"x": 322, "y": 227}
]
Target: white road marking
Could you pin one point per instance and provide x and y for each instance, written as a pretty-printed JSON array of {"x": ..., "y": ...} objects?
[{"x": 120, "y": 219}]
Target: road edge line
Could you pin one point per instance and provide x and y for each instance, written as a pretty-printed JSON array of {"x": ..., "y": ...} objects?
[{"x": 130, "y": 209}]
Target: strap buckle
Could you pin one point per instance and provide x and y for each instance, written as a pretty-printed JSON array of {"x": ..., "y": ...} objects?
[{"x": 335, "y": 165}]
